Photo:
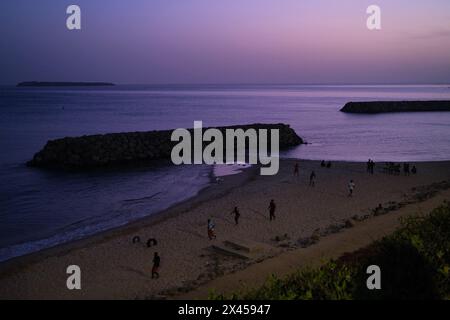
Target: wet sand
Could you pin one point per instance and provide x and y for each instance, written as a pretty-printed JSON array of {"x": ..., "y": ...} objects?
[{"x": 114, "y": 268}]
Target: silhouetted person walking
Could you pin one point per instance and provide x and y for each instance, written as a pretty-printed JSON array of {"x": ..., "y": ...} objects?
[
  {"x": 156, "y": 263},
  {"x": 406, "y": 169},
  {"x": 312, "y": 179},
  {"x": 236, "y": 215},
  {"x": 272, "y": 208},
  {"x": 296, "y": 170},
  {"x": 211, "y": 226},
  {"x": 351, "y": 187}
]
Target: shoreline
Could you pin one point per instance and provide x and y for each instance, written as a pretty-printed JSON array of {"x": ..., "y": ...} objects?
[
  {"x": 207, "y": 199},
  {"x": 176, "y": 208},
  {"x": 205, "y": 194}
]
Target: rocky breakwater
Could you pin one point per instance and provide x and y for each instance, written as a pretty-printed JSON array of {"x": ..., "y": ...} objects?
[
  {"x": 96, "y": 151},
  {"x": 396, "y": 106}
]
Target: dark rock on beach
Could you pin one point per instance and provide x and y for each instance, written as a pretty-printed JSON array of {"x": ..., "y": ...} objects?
[
  {"x": 96, "y": 151},
  {"x": 396, "y": 106}
]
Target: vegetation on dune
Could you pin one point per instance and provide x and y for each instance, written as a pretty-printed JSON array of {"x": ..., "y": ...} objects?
[{"x": 414, "y": 263}]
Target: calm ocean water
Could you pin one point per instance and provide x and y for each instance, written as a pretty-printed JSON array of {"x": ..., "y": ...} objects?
[{"x": 40, "y": 209}]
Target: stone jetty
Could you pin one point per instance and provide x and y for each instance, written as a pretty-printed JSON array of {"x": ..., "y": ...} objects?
[
  {"x": 396, "y": 106},
  {"x": 96, "y": 151}
]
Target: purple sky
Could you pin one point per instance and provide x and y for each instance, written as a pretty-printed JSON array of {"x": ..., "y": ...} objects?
[{"x": 226, "y": 41}]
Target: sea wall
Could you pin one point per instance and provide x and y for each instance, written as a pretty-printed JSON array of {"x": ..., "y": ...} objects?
[
  {"x": 96, "y": 151},
  {"x": 395, "y": 106}
]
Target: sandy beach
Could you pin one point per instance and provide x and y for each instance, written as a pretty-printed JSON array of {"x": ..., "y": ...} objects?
[{"x": 114, "y": 268}]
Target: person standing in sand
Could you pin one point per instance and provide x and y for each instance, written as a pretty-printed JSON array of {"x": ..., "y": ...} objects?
[
  {"x": 312, "y": 179},
  {"x": 211, "y": 226},
  {"x": 156, "y": 263},
  {"x": 406, "y": 169},
  {"x": 351, "y": 187},
  {"x": 296, "y": 170},
  {"x": 272, "y": 208},
  {"x": 236, "y": 215}
]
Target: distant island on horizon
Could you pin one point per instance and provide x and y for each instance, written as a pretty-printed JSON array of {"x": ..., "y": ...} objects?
[
  {"x": 326, "y": 84},
  {"x": 63, "y": 84}
]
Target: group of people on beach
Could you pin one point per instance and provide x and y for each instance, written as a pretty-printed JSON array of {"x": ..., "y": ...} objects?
[
  {"x": 327, "y": 165},
  {"x": 272, "y": 206},
  {"x": 236, "y": 213},
  {"x": 394, "y": 168},
  {"x": 212, "y": 234},
  {"x": 407, "y": 171},
  {"x": 312, "y": 176}
]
